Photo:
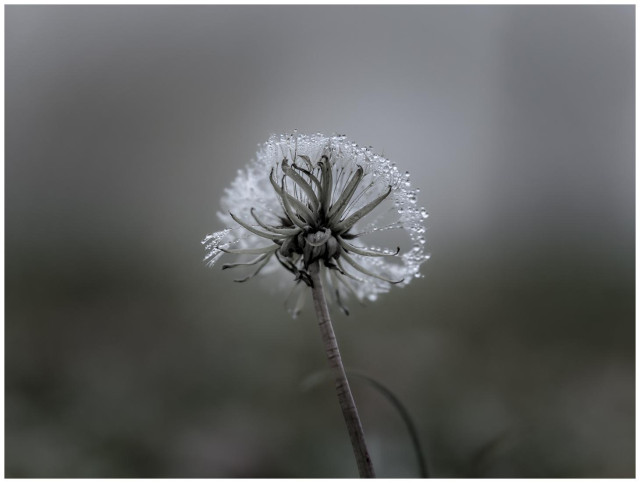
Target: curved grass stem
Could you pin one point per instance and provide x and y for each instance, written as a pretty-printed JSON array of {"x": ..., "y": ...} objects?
[{"x": 347, "y": 404}]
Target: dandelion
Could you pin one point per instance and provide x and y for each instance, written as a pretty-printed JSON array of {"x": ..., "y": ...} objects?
[
  {"x": 308, "y": 210},
  {"x": 315, "y": 198}
]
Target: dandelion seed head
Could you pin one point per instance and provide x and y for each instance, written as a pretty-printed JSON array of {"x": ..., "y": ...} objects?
[{"x": 316, "y": 198}]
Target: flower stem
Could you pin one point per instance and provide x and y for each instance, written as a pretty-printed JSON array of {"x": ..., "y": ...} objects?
[{"x": 347, "y": 404}]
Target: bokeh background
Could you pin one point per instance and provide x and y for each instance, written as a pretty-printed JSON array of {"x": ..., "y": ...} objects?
[{"x": 126, "y": 357}]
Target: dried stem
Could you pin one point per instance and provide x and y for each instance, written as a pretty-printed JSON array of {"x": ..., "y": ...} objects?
[{"x": 347, "y": 404}]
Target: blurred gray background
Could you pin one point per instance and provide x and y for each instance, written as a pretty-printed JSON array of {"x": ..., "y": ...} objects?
[{"x": 126, "y": 357}]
